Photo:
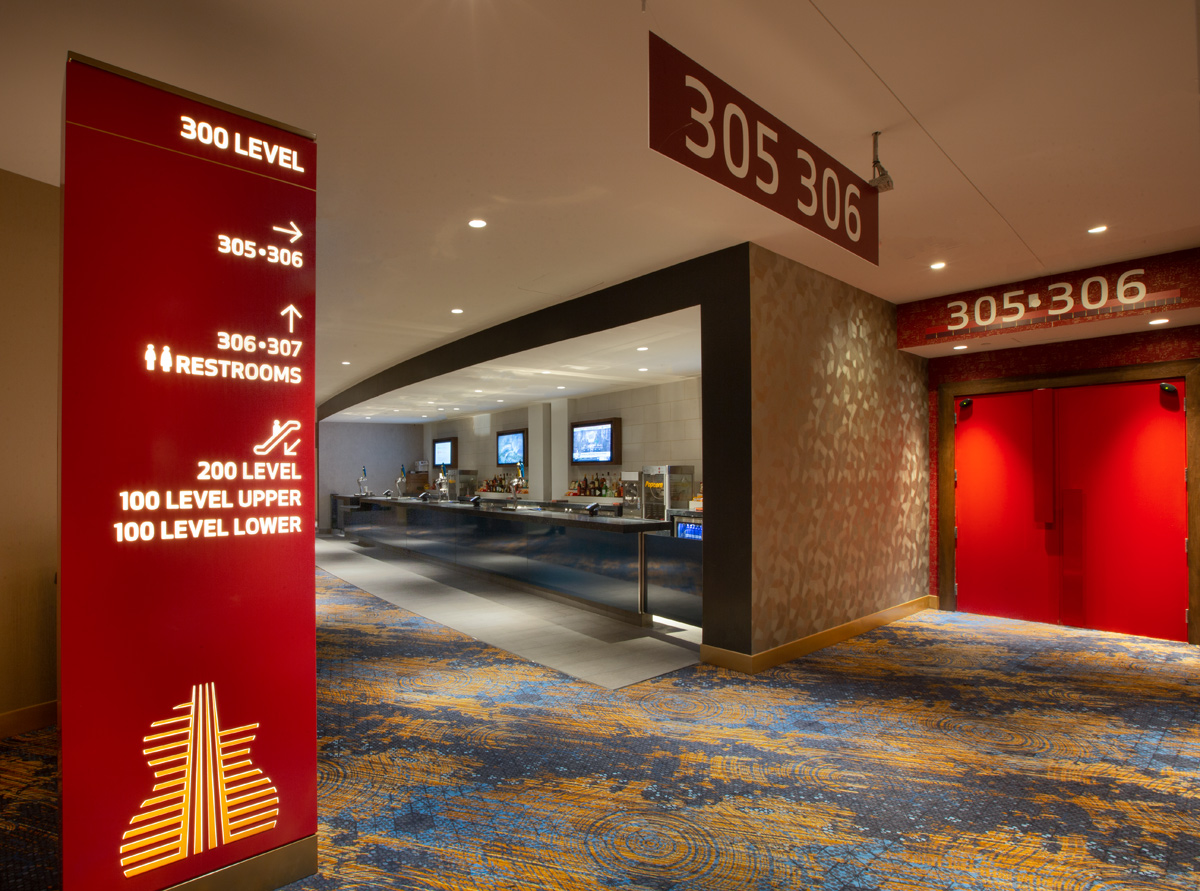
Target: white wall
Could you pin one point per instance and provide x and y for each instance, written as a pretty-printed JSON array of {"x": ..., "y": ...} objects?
[
  {"x": 560, "y": 445},
  {"x": 538, "y": 473},
  {"x": 476, "y": 439},
  {"x": 345, "y": 448},
  {"x": 660, "y": 424},
  {"x": 30, "y": 260}
]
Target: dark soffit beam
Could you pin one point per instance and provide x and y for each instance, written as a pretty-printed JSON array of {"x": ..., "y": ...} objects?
[{"x": 654, "y": 294}]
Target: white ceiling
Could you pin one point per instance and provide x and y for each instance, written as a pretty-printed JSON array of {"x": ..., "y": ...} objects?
[
  {"x": 654, "y": 351},
  {"x": 1009, "y": 128}
]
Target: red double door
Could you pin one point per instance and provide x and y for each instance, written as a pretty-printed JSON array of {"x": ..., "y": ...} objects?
[{"x": 1071, "y": 507}]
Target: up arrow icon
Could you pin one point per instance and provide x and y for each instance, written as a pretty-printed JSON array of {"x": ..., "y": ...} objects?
[{"x": 292, "y": 313}]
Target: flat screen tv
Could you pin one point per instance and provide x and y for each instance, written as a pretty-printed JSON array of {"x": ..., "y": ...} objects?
[
  {"x": 445, "y": 453},
  {"x": 596, "y": 442},
  {"x": 510, "y": 447}
]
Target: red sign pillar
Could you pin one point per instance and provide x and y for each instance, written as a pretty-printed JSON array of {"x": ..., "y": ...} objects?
[{"x": 187, "y": 650}]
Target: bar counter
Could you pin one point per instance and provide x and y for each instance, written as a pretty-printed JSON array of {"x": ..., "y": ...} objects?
[{"x": 627, "y": 566}]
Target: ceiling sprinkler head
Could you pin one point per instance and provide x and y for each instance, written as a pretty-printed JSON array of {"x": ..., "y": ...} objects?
[{"x": 883, "y": 181}]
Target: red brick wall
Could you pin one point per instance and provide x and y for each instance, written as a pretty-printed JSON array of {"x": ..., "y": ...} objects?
[
  {"x": 924, "y": 321},
  {"x": 1044, "y": 359}
]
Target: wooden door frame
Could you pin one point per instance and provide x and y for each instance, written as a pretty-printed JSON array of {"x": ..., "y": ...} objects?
[{"x": 949, "y": 393}]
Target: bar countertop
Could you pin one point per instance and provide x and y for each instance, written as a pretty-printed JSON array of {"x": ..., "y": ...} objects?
[{"x": 529, "y": 512}]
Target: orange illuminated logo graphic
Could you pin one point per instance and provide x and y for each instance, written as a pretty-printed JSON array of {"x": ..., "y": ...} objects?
[{"x": 208, "y": 792}]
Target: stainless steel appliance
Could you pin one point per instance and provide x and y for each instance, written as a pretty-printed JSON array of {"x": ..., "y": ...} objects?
[
  {"x": 463, "y": 483},
  {"x": 631, "y": 482},
  {"x": 666, "y": 486}
]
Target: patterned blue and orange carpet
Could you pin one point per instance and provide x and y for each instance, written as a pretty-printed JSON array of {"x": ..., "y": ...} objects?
[{"x": 946, "y": 751}]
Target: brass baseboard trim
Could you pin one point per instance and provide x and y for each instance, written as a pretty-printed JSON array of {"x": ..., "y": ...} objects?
[
  {"x": 748, "y": 663},
  {"x": 731, "y": 659},
  {"x": 32, "y": 717},
  {"x": 266, "y": 872}
]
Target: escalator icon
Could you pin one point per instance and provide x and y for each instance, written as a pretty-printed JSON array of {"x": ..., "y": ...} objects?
[{"x": 279, "y": 432}]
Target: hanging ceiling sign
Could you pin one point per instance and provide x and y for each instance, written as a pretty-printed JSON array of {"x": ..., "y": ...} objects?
[
  {"x": 703, "y": 123},
  {"x": 187, "y": 657},
  {"x": 1151, "y": 284}
]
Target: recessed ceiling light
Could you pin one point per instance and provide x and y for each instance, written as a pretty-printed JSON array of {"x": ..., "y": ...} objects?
[
  {"x": 457, "y": 312},
  {"x": 940, "y": 264},
  {"x": 961, "y": 346},
  {"x": 499, "y": 400},
  {"x": 477, "y": 224},
  {"x": 547, "y": 372},
  {"x": 643, "y": 349},
  {"x": 1159, "y": 321},
  {"x": 479, "y": 391},
  {"x": 369, "y": 417},
  {"x": 643, "y": 369},
  {"x": 424, "y": 416},
  {"x": 441, "y": 409},
  {"x": 1096, "y": 230},
  {"x": 395, "y": 409},
  {"x": 345, "y": 363},
  {"x": 456, "y": 409},
  {"x": 430, "y": 402},
  {"x": 562, "y": 388}
]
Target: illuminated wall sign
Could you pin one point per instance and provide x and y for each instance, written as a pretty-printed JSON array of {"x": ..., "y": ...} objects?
[
  {"x": 187, "y": 480},
  {"x": 1168, "y": 281},
  {"x": 703, "y": 123}
]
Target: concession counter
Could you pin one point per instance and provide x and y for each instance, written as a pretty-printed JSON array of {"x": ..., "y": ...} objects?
[{"x": 629, "y": 567}]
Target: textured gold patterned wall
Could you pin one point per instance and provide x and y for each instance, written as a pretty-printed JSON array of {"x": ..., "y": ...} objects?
[{"x": 840, "y": 449}]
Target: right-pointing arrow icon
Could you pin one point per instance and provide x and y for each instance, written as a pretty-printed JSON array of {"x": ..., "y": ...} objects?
[{"x": 294, "y": 231}]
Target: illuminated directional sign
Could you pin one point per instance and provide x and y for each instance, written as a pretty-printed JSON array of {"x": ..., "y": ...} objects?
[
  {"x": 1150, "y": 285},
  {"x": 187, "y": 480}
]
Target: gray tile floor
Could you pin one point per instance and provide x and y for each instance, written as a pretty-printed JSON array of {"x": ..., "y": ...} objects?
[{"x": 585, "y": 645}]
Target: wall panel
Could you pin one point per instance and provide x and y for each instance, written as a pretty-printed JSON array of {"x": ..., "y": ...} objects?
[
  {"x": 30, "y": 262},
  {"x": 840, "y": 454},
  {"x": 345, "y": 448}
]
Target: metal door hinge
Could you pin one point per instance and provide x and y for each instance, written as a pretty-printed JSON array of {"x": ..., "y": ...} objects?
[
  {"x": 1185, "y": 545},
  {"x": 956, "y": 475},
  {"x": 1187, "y": 620},
  {"x": 956, "y": 533}
]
